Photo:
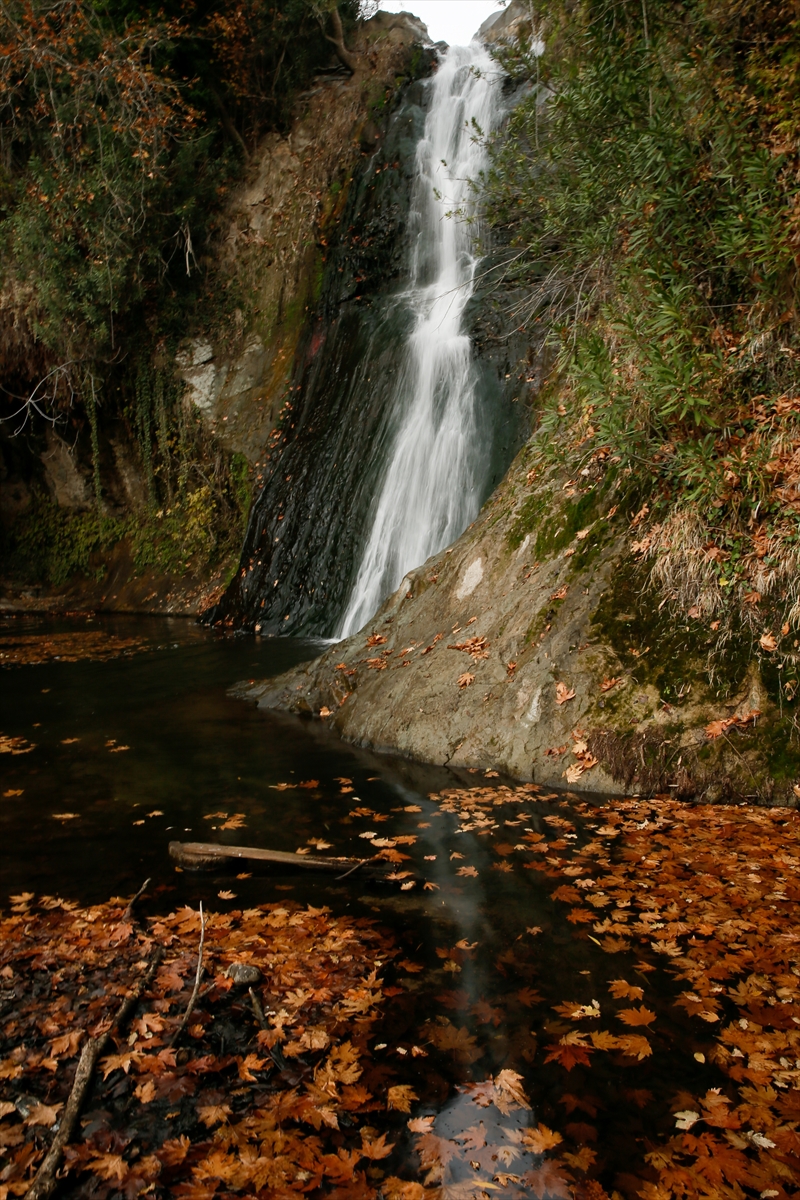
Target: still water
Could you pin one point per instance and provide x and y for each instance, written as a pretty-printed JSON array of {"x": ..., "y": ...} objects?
[{"x": 133, "y": 752}]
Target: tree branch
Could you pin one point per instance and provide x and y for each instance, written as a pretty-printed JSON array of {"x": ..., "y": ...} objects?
[{"x": 349, "y": 60}]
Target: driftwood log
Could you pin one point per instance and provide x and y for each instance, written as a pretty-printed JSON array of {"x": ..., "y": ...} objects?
[{"x": 208, "y": 856}]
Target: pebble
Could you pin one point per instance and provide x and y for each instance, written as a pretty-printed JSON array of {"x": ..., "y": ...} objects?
[{"x": 243, "y": 973}]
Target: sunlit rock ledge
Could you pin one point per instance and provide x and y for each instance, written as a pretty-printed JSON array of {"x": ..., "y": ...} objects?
[{"x": 579, "y": 676}]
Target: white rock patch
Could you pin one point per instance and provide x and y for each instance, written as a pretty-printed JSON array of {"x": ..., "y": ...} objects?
[{"x": 472, "y": 577}]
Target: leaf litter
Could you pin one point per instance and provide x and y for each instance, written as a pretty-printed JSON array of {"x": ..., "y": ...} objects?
[{"x": 673, "y": 1073}]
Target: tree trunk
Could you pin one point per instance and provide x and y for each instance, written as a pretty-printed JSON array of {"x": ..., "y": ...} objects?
[{"x": 349, "y": 60}]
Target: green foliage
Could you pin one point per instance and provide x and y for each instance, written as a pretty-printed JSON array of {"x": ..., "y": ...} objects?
[
  {"x": 52, "y": 545},
  {"x": 657, "y": 226}
]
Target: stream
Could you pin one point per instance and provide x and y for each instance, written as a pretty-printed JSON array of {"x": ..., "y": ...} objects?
[{"x": 116, "y": 758}]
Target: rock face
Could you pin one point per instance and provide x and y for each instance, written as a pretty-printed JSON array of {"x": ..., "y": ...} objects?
[
  {"x": 534, "y": 646},
  {"x": 280, "y": 222}
]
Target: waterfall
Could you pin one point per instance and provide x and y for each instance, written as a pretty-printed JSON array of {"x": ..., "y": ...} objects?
[{"x": 436, "y": 465}]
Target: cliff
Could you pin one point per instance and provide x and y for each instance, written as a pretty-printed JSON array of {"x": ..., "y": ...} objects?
[{"x": 137, "y": 502}]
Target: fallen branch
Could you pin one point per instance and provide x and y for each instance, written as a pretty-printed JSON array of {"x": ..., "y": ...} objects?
[
  {"x": 45, "y": 1181},
  {"x": 209, "y": 855},
  {"x": 128, "y": 914},
  {"x": 197, "y": 978},
  {"x": 257, "y": 1009}
]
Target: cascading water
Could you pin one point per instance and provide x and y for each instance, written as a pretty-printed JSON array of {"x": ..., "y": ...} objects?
[
  {"x": 433, "y": 483},
  {"x": 396, "y": 428}
]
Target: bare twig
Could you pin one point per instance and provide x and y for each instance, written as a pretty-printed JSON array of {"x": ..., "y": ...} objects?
[
  {"x": 257, "y": 1009},
  {"x": 352, "y": 869},
  {"x": 127, "y": 915},
  {"x": 197, "y": 978},
  {"x": 45, "y": 1182}
]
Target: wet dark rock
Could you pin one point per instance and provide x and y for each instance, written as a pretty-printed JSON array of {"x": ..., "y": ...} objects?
[{"x": 243, "y": 974}]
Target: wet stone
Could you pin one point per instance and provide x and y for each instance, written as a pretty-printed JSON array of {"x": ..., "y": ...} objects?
[{"x": 243, "y": 974}]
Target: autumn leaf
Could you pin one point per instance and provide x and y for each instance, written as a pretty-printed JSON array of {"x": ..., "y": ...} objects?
[
  {"x": 225, "y": 895},
  {"x": 376, "y": 1149},
  {"x": 234, "y": 822},
  {"x": 528, "y": 996},
  {"x": 510, "y": 1093},
  {"x": 116, "y": 1062},
  {"x": 541, "y": 1139},
  {"x": 637, "y": 1016},
  {"x": 111, "y": 1167},
  {"x": 635, "y": 1046},
  {"x": 249, "y": 1064},
  {"x": 66, "y": 1045},
  {"x": 563, "y": 693},
  {"x": 768, "y": 642},
  {"x": 621, "y": 990},
  {"x": 560, "y": 594},
  {"x": 213, "y": 1114},
  {"x": 470, "y": 871},
  {"x": 465, "y": 680},
  {"x": 420, "y": 1124},
  {"x": 43, "y": 1114},
  {"x": 401, "y": 1097},
  {"x": 610, "y": 682},
  {"x": 582, "y": 1161},
  {"x": 602, "y": 1040}
]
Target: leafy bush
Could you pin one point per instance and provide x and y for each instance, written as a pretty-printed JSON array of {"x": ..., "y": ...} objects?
[{"x": 650, "y": 205}]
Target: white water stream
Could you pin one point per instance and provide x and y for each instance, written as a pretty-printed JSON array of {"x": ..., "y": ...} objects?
[{"x": 431, "y": 487}]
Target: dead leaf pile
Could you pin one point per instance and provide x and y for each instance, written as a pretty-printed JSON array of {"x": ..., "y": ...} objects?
[
  {"x": 233, "y": 1108},
  {"x": 710, "y": 892},
  {"x": 95, "y": 644},
  {"x": 476, "y": 647}
]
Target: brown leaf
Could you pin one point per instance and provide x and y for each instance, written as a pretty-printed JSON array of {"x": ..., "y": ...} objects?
[
  {"x": 213, "y": 1114},
  {"x": 401, "y": 1097},
  {"x": 541, "y": 1139},
  {"x": 43, "y": 1114},
  {"x": 111, "y": 1167},
  {"x": 768, "y": 642},
  {"x": 563, "y": 693},
  {"x": 621, "y": 990},
  {"x": 609, "y": 682},
  {"x": 637, "y": 1016},
  {"x": 466, "y": 679}
]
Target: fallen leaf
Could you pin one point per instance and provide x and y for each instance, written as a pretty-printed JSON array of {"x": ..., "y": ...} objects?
[
  {"x": 540, "y": 1139},
  {"x": 401, "y": 1097},
  {"x": 225, "y": 895},
  {"x": 609, "y": 682},
  {"x": 563, "y": 693},
  {"x": 469, "y": 871},
  {"x": 213, "y": 1114},
  {"x": 465, "y": 680},
  {"x": 621, "y": 990},
  {"x": 768, "y": 642},
  {"x": 44, "y": 1114}
]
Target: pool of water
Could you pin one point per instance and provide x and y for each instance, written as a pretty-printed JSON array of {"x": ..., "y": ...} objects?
[{"x": 117, "y": 758}]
